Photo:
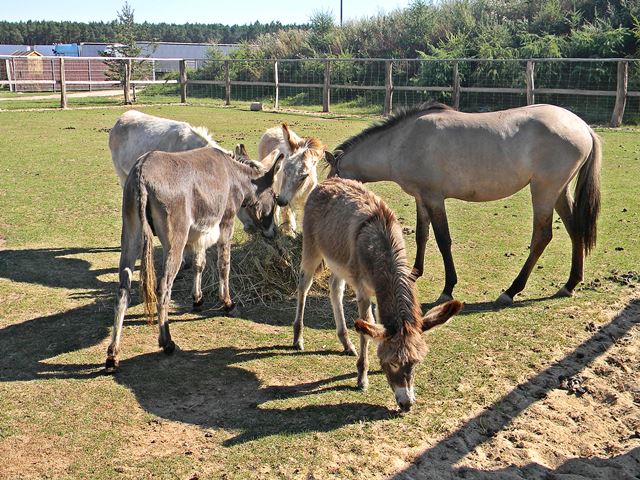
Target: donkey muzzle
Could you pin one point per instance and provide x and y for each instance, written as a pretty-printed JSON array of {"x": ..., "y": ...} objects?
[{"x": 281, "y": 202}]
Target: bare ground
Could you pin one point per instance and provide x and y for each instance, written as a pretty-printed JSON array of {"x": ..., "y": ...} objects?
[{"x": 541, "y": 431}]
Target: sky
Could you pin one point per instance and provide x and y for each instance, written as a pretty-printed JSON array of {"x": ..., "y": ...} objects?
[{"x": 193, "y": 11}]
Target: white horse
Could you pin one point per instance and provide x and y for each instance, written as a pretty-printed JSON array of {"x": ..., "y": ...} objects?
[
  {"x": 136, "y": 133},
  {"x": 298, "y": 175}
]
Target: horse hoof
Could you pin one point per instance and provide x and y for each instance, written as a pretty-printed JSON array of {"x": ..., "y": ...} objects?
[
  {"x": 169, "y": 348},
  {"x": 111, "y": 365},
  {"x": 504, "y": 300},
  {"x": 415, "y": 274},
  {"x": 350, "y": 351},
  {"x": 443, "y": 298},
  {"x": 564, "y": 292},
  {"x": 197, "y": 306}
]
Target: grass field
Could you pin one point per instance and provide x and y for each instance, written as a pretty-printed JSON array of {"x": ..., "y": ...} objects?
[{"x": 235, "y": 401}]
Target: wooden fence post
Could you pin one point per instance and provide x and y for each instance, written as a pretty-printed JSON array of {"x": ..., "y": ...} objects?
[
  {"x": 326, "y": 88},
  {"x": 227, "y": 84},
  {"x": 531, "y": 97},
  {"x": 275, "y": 79},
  {"x": 127, "y": 82},
  {"x": 183, "y": 81},
  {"x": 89, "y": 72},
  {"x": 63, "y": 85},
  {"x": 388, "y": 87},
  {"x": 53, "y": 74},
  {"x": 455, "y": 87},
  {"x": 621, "y": 94},
  {"x": 8, "y": 67}
]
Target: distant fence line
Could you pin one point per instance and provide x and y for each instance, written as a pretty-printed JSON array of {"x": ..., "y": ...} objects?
[{"x": 595, "y": 88}]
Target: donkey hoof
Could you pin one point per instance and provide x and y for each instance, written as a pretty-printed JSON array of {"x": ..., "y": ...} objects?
[
  {"x": 229, "y": 309},
  {"x": 350, "y": 351},
  {"x": 169, "y": 348},
  {"x": 363, "y": 385},
  {"x": 197, "y": 305},
  {"x": 444, "y": 298},
  {"x": 111, "y": 365},
  {"x": 564, "y": 292},
  {"x": 299, "y": 345},
  {"x": 504, "y": 300}
]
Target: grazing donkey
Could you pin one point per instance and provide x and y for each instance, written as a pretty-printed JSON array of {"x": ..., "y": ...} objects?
[
  {"x": 187, "y": 198},
  {"x": 434, "y": 152},
  {"x": 298, "y": 175},
  {"x": 360, "y": 240}
]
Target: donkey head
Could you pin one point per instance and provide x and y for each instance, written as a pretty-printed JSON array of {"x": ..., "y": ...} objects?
[
  {"x": 299, "y": 168},
  {"x": 399, "y": 352},
  {"x": 260, "y": 203}
]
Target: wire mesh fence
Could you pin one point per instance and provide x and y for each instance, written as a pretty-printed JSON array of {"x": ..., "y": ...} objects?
[{"x": 588, "y": 87}]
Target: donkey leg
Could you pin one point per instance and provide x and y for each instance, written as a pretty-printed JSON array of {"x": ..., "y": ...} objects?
[
  {"x": 172, "y": 262},
  {"x": 199, "y": 262},
  {"x": 438, "y": 217},
  {"x": 422, "y": 235},
  {"x": 224, "y": 265},
  {"x": 336, "y": 293},
  {"x": 311, "y": 260},
  {"x": 364, "y": 310},
  {"x": 564, "y": 207},
  {"x": 127, "y": 263},
  {"x": 540, "y": 238}
]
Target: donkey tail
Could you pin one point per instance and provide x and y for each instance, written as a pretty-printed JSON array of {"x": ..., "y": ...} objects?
[
  {"x": 586, "y": 206},
  {"x": 147, "y": 268}
]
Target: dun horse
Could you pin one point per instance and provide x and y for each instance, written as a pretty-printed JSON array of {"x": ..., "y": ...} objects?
[
  {"x": 186, "y": 198},
  {"x": 360, "y": 240},
  {"x": 434, "y": 152}
]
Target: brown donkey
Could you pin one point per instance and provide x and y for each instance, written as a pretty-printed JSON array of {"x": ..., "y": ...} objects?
[{"x": 360, "y": 240}]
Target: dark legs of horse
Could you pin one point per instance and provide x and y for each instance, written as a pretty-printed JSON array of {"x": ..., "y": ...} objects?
[
  {"x": 422, "y": 235},
  {"x": 438, "y": 216},
  {"x": 564, "y": 207},
  {"x": 540, "y": 238}
]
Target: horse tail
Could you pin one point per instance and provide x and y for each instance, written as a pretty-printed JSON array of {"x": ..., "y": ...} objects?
[
  {"x": 586, "y": 205},
  {"x": 147, "y": 268}
]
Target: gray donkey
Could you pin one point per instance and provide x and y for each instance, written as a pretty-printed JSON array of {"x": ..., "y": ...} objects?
[{"x": 187, "y": 199}]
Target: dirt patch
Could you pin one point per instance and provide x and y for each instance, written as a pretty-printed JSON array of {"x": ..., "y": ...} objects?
[{"x": 546, "y": 428}]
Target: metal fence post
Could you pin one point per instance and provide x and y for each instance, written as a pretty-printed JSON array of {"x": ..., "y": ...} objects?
[
  {"x": 326, "y": 88},
  {"x": 227, "y": 84},
  {"x": 455, "y": 87},
  {"x": 127, "y": 82},
  {"x": 621, "y": 94},
  {"x": 388, "y": 87},
  {"x": 275, "y": 79},
  {"x": 531, "y": 98},
  {"x": 183, "y": 81},
  {"x": 63, "y": 85}
]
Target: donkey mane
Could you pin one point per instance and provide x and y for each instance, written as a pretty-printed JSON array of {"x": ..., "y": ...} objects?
[
  {"x": 396, "y": 117},
  {"x": 313, "y": 143},
  {"x": 397, "y": 283},
  {"x": 204, "y": 134},
  {"x": 250, "y": 167}
]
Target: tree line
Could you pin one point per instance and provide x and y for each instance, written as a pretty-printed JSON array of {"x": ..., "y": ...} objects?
[{"x": 49, "y": 32}]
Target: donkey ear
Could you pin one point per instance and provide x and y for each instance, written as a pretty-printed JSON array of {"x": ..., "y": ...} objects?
[
  {"x": 275, "y": 166},
  {"x": 291, "y": 140},
  {"x": 441, "y": 314},
  {"x": 372, "y": 330},
  {"x": 240, "y": 151}
]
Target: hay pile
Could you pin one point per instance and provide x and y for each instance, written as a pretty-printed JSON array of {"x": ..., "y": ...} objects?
[{"x": 263, "y": 271}]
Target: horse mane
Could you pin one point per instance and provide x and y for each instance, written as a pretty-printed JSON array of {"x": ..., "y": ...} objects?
[{"x": 396, "y": 117}]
